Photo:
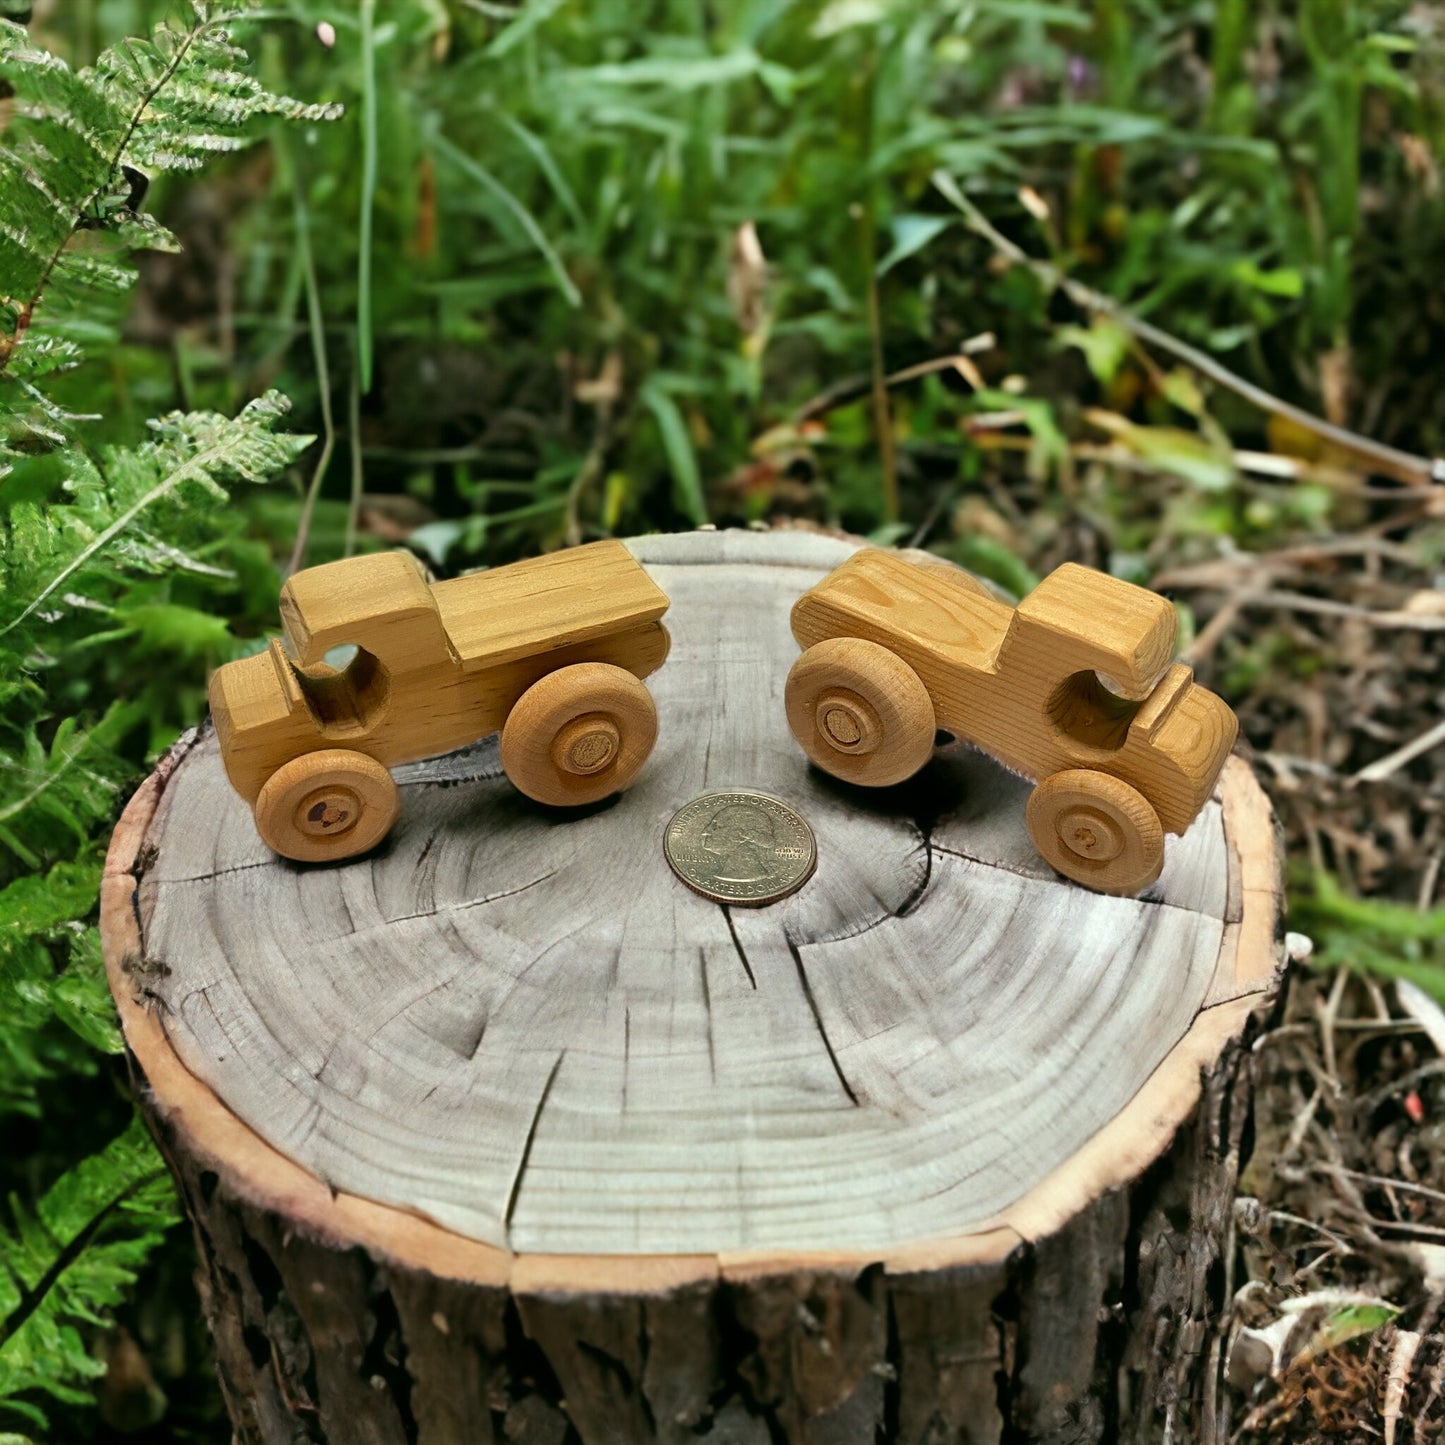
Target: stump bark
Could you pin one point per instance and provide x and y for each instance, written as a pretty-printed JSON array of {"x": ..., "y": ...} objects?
[{"x": 503, "y": 1134}]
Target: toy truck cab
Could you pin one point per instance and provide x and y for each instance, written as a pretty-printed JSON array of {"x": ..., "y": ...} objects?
[
  {"x": 1074, "y": 688},
  {"x": 550, "y": 651}
]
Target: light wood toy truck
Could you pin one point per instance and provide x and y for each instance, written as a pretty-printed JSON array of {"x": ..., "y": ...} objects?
[
  {"x": 550, "y": 651},
  {"x": 1073, "y": 688}
]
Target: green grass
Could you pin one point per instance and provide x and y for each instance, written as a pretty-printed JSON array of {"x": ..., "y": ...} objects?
[{"x": 567, "y": 182}]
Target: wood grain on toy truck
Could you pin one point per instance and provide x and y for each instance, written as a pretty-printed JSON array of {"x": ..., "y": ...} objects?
[
  {"x": 438, "y": 666},
  {"x": 1023, "y": 683}
]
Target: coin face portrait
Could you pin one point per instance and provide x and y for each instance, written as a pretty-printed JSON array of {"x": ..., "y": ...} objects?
[
  {"x": 740, "y": 847},
  {"x": 742, "y": 839}
]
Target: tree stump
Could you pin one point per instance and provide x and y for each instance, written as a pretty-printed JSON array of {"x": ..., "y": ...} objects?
[{"x": 503, "y": 1134}]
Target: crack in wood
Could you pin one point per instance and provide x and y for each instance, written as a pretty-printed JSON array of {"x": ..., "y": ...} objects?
[
  {"x": 1058, "y": 882},
  {"x": 473, "y": 1041},
  {"x": 707, "y": 1009},
  {"x": 412, "y": 1002},
  {"x": 515, "y": 1191},
  {"x": 818, "y": 1020},
  {"x": 437, "y": 911},
  {"x": 479, "y": 763},
  {"x": 321, "y": 1068},
  {"x": 345, "y": 906},
  {"x": 915, "y": 896},
  {"x": 216, "y": 873},
  {"x": 737, "y": 944}
]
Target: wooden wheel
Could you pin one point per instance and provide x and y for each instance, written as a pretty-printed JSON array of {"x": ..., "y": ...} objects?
[
  {"x": 860, "y": 712},
  {"x": 330, "y": 804},
  {"x": 579, "y": 734},
  {"x": 1097, "y": 830}
]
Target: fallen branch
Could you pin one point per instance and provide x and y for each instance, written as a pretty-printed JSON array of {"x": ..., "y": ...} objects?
[
  {"x": 1383, "y": 767},
  {"x": 1407, "y": 1342}
]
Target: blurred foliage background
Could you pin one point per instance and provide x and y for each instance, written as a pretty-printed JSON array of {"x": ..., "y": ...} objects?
[{"x": 565, "y": 270}]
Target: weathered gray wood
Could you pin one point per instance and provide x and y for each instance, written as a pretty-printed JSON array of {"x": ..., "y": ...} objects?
[
  {"x": 523, "y": 1027},
  {"x": 769, "y": 1139}
]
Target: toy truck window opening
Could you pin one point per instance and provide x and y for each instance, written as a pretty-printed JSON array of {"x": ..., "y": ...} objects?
[
  {"x": 1091, "y": 713},
  {"x": 346, "y": 701}
]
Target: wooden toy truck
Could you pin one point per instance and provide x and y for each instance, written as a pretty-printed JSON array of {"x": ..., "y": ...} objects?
[
  {"x": 1073, "y": 688},
  {"x": 550, "y": 651}
]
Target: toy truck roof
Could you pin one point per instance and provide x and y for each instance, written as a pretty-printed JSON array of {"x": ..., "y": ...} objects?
[{"x": 383, "y": 603}]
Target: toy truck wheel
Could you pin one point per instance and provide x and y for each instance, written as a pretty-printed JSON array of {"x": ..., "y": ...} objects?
[
  {"x": 579, "y": 734},
  {"x": 860, "y": 712},
  {"x": 1097, "y": 830},
  {"x": 326, "y": 805}
]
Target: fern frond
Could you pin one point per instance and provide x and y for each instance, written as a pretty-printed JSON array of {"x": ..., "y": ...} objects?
[
  {"x": 72, "y": 1258},
  {"x": 88, "y": 547},
  {"x": 45, "y": 356},
  {"x": 80, "y": 994},
  {"x": 52, "y": 798},
  {"x": 37, "y": 914},
  {"x": 51, "y": 973},
  {"x": 191, "y": 458},
  {"x": 97, "y": 273},
  {"x": 165, "y": 103}
]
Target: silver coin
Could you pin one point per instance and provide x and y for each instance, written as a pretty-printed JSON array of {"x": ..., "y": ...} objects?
[{"x": 735, "y": 846}]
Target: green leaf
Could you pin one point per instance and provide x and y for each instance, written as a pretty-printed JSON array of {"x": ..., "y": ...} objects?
[
  {"x": 993, "y": 560},
  {"x": 1050, "y": 445},
  {"x": 77, "y": 139},
  {"x": 40, "y": 904},
  {"x": 1331, "y": 1318},
  {"x": 190, "y": 457},
  {"x": 678, "y": 445},
  {"x": 1104, "y": 343},
  {"x": 1350, "y": 1323},
  {"x": 1183, "y": 454},
  {"x": 911, "y": 233},
  {"x": 1284, "y": 281},
  {"x": 1384, "y": 937},
  {"x": 689, "y": 72},
  {"x": 534, "y": 14},
  {"x": 52, "y": 797},
  {"x": 168, "y": 628},
  {"x": 81, "y": 995},
  {"x": 369, "y": 143},
  {"x": 1180, "y": 387},
  {"x": 528, "y": 222}
]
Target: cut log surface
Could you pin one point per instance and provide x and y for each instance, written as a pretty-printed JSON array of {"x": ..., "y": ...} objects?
[{"x": 517, "y": 1023}]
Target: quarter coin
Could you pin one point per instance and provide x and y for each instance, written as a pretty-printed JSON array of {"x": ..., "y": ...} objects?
[{"x": 735, "y": 846}]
